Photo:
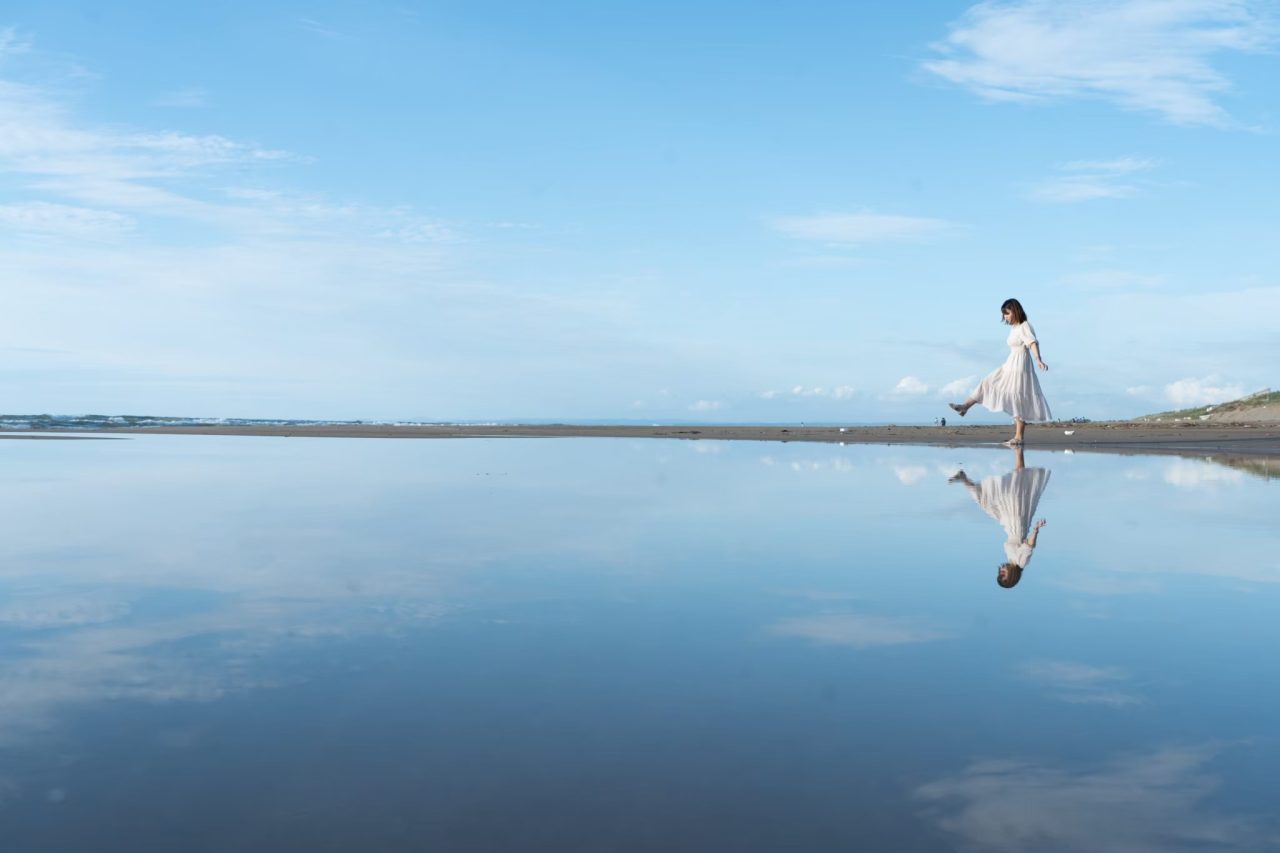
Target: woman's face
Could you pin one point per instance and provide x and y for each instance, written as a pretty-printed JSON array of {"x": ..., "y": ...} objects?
[{"x": 1008, "y": 316}]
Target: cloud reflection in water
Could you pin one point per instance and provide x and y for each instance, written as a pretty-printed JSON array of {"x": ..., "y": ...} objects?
[{"x": 1155, "y": 802}]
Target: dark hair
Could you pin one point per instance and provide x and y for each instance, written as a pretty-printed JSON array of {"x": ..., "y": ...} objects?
[
  {"x": 1019, "y": 316},
  {"x": 1011, "y": 580}
]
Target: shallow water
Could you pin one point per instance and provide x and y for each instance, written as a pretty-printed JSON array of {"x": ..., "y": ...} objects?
[{"x": 235, "y": 644}]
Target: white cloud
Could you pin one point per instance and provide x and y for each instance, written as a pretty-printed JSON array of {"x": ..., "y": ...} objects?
[
  {"x": 910, "y": 386},
  {"x": 1075, "y": 188},
  {"x": 1118, "y": 166},
  {"x": 109, "y": 168},
  {"x": 181, "y": 150},
  {"x": 1191, "y": 474},
  {"x": 150, "y": 317},
  {"x": 705, "y": 405},
  {"x": 1087, "y": 180},
  {"x": 837, "y": 392},
  {"x": 1107, "y": 585},
  {"x": 1145, "y": 55},
  {"x": 182, "y": 99},
  {"x": 52, "y": 611},
  {"x": 853, "y": 228},
  {"x": 1083, "y": 684},
  {"x": 319, "y": 28},
  {"x": 822, "y": 262},
  {"x": 839, "y": 464},
  {"x": 1199, "y": 392},
  {"x": 909, "y": 475},
  {"x": 1111, "y": 279},
  {"x": 858, "y": 631},
  {"x": 957, "y": 387},
  {"x": 11, "y": 42},
  {"x": 1162, "y": 800},
  {"x": 424, "y": 232},
  {"x": 42, "y": 217}
]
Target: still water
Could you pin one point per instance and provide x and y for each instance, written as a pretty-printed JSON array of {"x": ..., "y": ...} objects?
[{"x": 240, "y": 644}]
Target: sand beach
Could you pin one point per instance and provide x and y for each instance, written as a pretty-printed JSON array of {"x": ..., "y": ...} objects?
[{"x": 1183, "y": 438}]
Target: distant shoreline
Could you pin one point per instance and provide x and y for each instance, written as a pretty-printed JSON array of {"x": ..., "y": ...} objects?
[{"x": 1187, "y": 438}]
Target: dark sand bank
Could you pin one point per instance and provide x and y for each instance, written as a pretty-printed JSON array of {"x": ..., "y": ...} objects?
[
  {"x": 1122, "y": 437},
  {"x": 23, "y": 436}
]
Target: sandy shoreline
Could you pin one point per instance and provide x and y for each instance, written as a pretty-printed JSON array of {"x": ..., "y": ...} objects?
[{"x": 1122, "y": 437}]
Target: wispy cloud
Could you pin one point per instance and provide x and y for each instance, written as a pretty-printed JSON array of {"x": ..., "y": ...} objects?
[
  {"x": 139, "y": 172},
  {"x": 156, "y": 262},
  {"x": 1083, "y": 684},
  {"x": 40, "y": 217},
  {"x": 705, "y": 406},
  {"x": 839, "y": 392},
  {"x": 320, "y": 28},
  {"x": 1146, "y": 55},
  {"x": 856, "y": 630},
  {"x": 822, "y": 262},
  {"x": 839, "y": 464},
  {"x": 1117, "y": 166},
  {"x": 858, "y": 228},
  {"x": 1086, "y": 180},
  {"x": 1092, "y": 583},
  {"x": 11, "y": 42},
  {"x": 1111, "y": 279},
  {"x": 82, "y": 178},
  {"x": 1075, "y": 188},
  {"x": 183, "y": 99}
]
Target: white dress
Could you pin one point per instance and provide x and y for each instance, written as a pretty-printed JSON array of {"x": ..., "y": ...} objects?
[
  {"x": 1013, "y": 387},
  {"x": 1012, "y": 501}
]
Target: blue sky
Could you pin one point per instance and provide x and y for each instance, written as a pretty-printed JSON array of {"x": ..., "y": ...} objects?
[{"x": 653, "y": 211}]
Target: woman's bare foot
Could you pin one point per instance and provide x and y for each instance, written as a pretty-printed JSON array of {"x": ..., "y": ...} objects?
[
  {"x": 959, "y": 408},
  {"x": 1013, "y": 442}
]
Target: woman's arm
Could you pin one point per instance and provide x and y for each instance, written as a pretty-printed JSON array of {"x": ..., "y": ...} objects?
[
  {"x": 1035, "y": 348},
  {"x": 1031, "y": 540}
]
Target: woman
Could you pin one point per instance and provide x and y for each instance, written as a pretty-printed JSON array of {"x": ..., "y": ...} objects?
[
  {"x": 1012, "y": 501},
  {"x": 1013, "y": 387}
]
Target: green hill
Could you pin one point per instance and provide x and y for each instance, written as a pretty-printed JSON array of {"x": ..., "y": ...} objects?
[{"x": 1236, "y": 410}]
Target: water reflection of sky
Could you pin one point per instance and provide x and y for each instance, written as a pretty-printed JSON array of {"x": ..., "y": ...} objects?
[{"x": 233, "y": 644}]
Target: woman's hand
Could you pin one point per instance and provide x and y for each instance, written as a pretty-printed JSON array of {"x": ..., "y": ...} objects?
[{"x": 1043, "y": 366}]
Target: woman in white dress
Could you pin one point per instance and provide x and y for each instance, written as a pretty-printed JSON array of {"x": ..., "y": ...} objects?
[
  {"x": 1012, "y": 501},
  {"x": 1013, "y": 387}
]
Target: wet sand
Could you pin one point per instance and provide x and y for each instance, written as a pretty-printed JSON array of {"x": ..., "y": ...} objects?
[{"x": 1116, "y": 437}]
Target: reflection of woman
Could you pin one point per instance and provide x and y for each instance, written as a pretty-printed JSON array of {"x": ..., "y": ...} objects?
[
  {"x": 1013, "y": 387},
  {"x": 1012, "y": 500}
]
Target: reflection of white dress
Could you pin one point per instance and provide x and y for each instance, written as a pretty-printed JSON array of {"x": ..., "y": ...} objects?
[
  {"x": 1012, "y": 500},
  {"x": 1013, "y": 387}
]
